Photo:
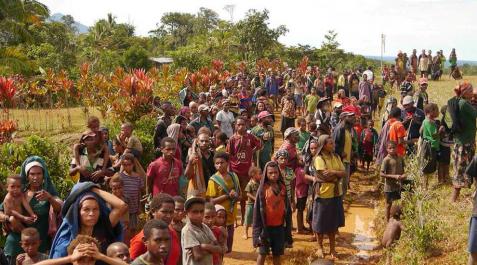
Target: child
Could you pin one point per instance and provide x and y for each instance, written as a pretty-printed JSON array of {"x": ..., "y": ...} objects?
[
  {"x": 304, "y": 134},
  {"x": 220, "y": 141},
  {"x": 30, "y": 241},
  {"x": 198, "y": 241},
  {"x": 253, "y": 121},
  {"x": 271, "y": 228},
  {"x": 118, "y": 250},
  {"x": 93, "y": 125},
  {"x": 393, "y": 228},
  {"x": 443, "y": 157},
  {"x": 81, "y": 251},
  {"x": 107, "y": 141},
  {"x": 251, "y": 190},
  {"x": 117, "y": 189},
  {"x": 14, "y": 203},
  {"x": 157, "y": 240},
  {"x": 177, "y": 224},
  {"x": 118, "y": 148},
  {"x": 392, "y": 170},
  {"x": 288, "y": 175},
  {"x": 162, "y": 208},
  {"x": 301, "y": 192},
  {"x": 369, "y": 137},
  {"x": 224, "y": 189},
  {"x": 311, "y": 102},
  {"x": 430, "y": 141},
  {"x": 133, "y": 185},
  {"x": 220, "y": 233}
]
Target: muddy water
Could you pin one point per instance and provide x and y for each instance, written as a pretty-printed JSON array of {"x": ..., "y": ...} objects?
[{"x": 360, "y": 223}]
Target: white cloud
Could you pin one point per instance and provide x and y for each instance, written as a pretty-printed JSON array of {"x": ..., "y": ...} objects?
[{"x": 408, "y": 24}]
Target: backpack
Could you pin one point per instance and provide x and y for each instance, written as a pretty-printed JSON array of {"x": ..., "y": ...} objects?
[{"x": 453, "y": 109}]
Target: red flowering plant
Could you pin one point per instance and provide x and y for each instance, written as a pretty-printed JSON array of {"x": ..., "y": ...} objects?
[
  {"x": 7, "y": 93},
  {"x": 134, "y": 96}
]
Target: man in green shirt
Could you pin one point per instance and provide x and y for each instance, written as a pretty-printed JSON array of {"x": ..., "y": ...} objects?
[
  {"x": 311, "y": 101},
  {"x": 264, "y": 132}
]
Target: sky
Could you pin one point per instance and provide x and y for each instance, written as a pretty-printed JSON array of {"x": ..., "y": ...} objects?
[{"x": 406, "y": 24}]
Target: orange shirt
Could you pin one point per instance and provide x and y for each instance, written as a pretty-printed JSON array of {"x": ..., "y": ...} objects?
[
  {"x": 397, "y": 131},
  {"x": 274, "y": 205}
]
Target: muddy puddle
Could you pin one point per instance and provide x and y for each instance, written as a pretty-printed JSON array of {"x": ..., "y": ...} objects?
[{"x": 360, "y": 223}]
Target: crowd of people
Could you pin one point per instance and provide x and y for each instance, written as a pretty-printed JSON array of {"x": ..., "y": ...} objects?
[{"x": 218, "y": 168}]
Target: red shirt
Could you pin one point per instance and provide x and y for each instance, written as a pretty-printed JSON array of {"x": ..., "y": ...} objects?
[
  {"x": 163, "y": 179},
  {"x": 137, "y": 247},
  {"x": 241, "y": 149},
  {"x": 274, "y": 205},
  {"x": 216, "y": 257}
]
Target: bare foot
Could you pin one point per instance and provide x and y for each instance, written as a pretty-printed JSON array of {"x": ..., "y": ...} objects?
[
  {"x": 333, "y": 255},
  {"x": 245, "y": 237}
]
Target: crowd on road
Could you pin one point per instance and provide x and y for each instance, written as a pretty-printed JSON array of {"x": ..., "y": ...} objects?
[{"x": 217, "y": 168}]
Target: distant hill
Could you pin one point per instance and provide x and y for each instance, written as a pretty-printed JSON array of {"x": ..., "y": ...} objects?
[
  {"x": 390, "y": 59},
  {"x": 81, "y": 28}
]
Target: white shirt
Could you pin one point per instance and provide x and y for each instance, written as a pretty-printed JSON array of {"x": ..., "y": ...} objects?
[
  {"x": 226, "y": 120},
  {"x": 369, "y": 74}
]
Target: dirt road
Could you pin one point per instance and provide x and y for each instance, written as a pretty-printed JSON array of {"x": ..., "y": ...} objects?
[{"x": 356, "y": 243}]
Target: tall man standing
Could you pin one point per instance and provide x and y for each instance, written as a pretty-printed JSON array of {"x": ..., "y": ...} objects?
[{"x": 241, "y": 147}]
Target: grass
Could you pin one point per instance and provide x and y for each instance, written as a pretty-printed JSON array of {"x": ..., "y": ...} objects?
[
  {"x": 60, "y": 125},
  {"x": 452, "y": 218}
]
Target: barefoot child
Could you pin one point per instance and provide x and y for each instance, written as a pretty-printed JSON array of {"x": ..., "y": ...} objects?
[
  {"x": 14, "y": 203},
  {"x": 133, "y": 186},
  {"x": 251, "y": 190},
  {"x": 431, "y": 139},
  {"x": 270, "y": 225},
  {"x": 392, "y": 170},
  {"x": 30, "y": 242},
  {"x": 198, "y": 241},
  {"x": 369, "y": 137},
  {"x": 393, "y": 228}
]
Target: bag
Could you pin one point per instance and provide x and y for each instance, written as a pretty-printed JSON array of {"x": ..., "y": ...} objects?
[{"x": 453, "y": 109}]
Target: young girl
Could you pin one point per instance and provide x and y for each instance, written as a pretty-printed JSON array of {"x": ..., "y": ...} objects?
[
  {"x": 251, "y": 190},
  {"x": 224, "y": 189},
  {"x": 430, "y": 141},
  {"x": 369, "y": 137},
  {"x": 117, "y": 189},
  {"x": 271, "y": 227},
  {"x": 210, "y": 217},
  {"x": 133, "y": 186}
]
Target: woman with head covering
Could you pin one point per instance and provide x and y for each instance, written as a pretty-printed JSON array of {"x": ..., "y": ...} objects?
[
  {"x": 463, "y": 115},
  {"x": 42, "y": 197},
  {"x": 328, "y": 212},
  {"x": 86, "y": 212},
  {"x": 174, "y": 131}
]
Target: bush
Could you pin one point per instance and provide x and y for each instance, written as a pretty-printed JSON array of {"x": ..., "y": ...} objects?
[{"x": 55, "y": 155}]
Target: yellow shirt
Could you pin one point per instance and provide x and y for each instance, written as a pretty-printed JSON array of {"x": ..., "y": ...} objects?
[
  {"x": 214, "y": 190},
  {"x": 347, "y": 147},
  {"x": 325, "y": 162}
]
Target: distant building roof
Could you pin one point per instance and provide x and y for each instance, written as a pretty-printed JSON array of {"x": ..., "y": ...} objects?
[{"x": 161, "y": 60}]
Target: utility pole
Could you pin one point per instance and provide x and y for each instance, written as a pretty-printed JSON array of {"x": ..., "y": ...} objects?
[
  {"x": 230, "y": 9},
  {"x": 383, "y": 48}
]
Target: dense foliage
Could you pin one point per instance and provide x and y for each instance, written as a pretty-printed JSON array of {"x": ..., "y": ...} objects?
[
  {"x": 56, "y": 156},
  {"x": 30, "y": 43}
]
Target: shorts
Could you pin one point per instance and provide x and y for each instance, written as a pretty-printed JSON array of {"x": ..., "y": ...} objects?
[
  {"x": 444, "y": 154},
  {"x": 133, "y": 221},
  {"x": 275, "y": 241},
  {"x": 301, "y": 203},
  {"x": 248, "y": 214},
  {"x": 298, "y": 100},
  {"x": 392, "y": 196},
  {"x": 472, "y": 242},
  {"x": 462, "y": 155}
]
